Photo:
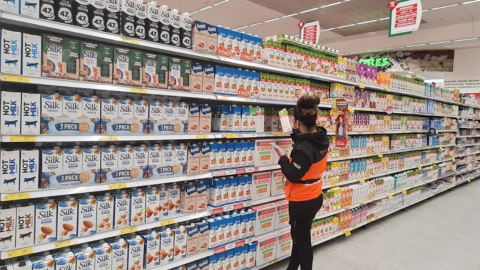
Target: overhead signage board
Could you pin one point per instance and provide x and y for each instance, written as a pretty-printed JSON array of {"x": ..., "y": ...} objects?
[
  {"x": 405, "y": 17},
  {"x": 311, "y": 32}
]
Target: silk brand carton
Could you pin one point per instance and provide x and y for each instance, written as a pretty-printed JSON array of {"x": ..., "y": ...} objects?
[
  {"x": 29, "y": 160},
  {"x": 128, "y": 67},
  {"x": 151, "y": 249},
  {"x": 112, "y": 16},
  {"x": 152, "y": 205},
  {"x": 122, "y": 210},
  {"x": 96, "y": 62},
  {"x": 153, "y": 21},
  {"x": 8, "y": 216},
  {"x": 45, "y": 222},
  {"x": 32, "y": 55},
  {"x": 87, "y": 216},
  {"x": 97, "y": 10},
  {"x": 30, "y": 114},
  {"x": 266, "y": 250},
  {"x": 67, "y": 219},
  {"x": 47, "y": 10},
  {"x": 163, "y": 200},
  {"x": 11, "y": 54},
  {"x": 127, "y": 18},
  {"x": 140, "y": 19},
  {"x": 10, "y": 176},
  {"x": 156, "y": 70},
  {"x": 281, "y": 217},
  {"x": 85, "y": 258},
  {"x": 180, "y": 243},
  {"x": 181, "y": 155},
  {"x": 119, "y": 253},
  {"x": 82, "y": 13},
  {"x": 11, "y": 105},
  {"x": 284, "y": 244},
  {"x": 137, "y": 207},
  {"x": 174, "y": 199},
  {"x": 103, "y": 255},
  {"x": 167, "y": 239},
  {"x": 265, "y": 216},
  {"x": 277, "y": 186},
  {"x": 25, "y": 225},
  {"x": 261, "y": 185},
  {"x": 64, "y": 260},
  {"x": 60, "y": 57},
  {"x": 263, "y": 152},
  {"x": 105, "y": 212}
]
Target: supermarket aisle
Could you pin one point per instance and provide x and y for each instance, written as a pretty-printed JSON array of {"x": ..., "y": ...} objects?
[{"x": 438, "y": 234}]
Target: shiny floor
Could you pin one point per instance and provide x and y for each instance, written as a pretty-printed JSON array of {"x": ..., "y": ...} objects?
[{"x": 441, "y": 233}]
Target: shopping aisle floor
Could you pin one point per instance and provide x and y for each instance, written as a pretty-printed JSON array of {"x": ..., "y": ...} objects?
[{"x": 441, "y": 233}]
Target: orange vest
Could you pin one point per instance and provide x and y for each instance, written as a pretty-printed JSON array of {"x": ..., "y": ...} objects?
[{"x": 311, "y": 189}]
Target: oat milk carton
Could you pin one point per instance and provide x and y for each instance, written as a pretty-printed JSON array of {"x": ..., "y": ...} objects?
[
  {"x": 103, "y": 256},
  {"x": 105, "y": 212},
  {"x": 137, "y": 207},
  {"x": 135, "y": 251},
  {"x": 45, "y": 222},
  {"x": 174, "y": 199},
  {"x": 25, "y": 225},
  {"x": 8, "y": 232},
  {"x": 10, "y": 119},
  {"x": 119, "y": 252},
  {"x": 152, "y": 205},
  {"x": 180, "y": 243},
  {"x": 30, "y": 114},
  {"x": 167, "y": 239},
  {"x": 122, "y": 210},
  {"x": 11, "y": 54},
  {"x": 32, "y": 55},
  {"x": 10, "y": 176},
  {"x": 67, "y": 219},
  {"x": 87, "y": 216},
  {"x": 151, "y": 249}
]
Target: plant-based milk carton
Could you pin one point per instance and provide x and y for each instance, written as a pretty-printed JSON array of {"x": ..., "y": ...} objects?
[
  {"x": 51, "y": 108},
  {"x": 181, "y": 117},
  {"x": 82, "y": 13},
  {"x": 166, "y": 166},
  {"x": 127, "y": 18},
  {"x": 87, "y": 216},
  {"x": 212, "y": 39},
  {"x": 10, "y": 176},
  {"x": 193, "y": 118},
  {"x": 25, "y": 225},
  {"x": 29, "y": 160},
  {"x": 65, "y": 260},
  {"x": 45, "y": 222},
  {"x": 97, "y": 10},
  {"x": 152, "y": 22},
  {"x": 281, "y": 216},
  {"x": 65, "y": 11},
  {"x": 140, "y": 19},
  {"x": 119, "y": 252},
  {"x": 48, "y": 9},
  {"x": 199, "y": 36},
  {"x": 105, "y": 212},
  {"x": 266, "y": 250},
  {"x": 60, "y": 57},
  {"x": 167, "y": 239},
  {"x": 205, "y": 118},
  {"x": 181, "y": 156},
  {"x": 128, "y": 67},
  {"x": 122, "y": 210},
  {"x": 175, "y": 24},
  {"x": 263, "y": 152},
  {"x": 85, "y": 257},
  {"x": 140, "y": 163},
  {"x": 174, "y": 199},
  {"x": 156, "y": 70},
  {"x": 197, "y": 77},
  {"x": 193, "y": 165},
  {"x": 32, "y": 55},
  {"x": 188, "y": 195},
  {"x": 8, "y": 232},
  {"x": 277, "y": 186},
  {"x": 264, "y": 218},
  {"x": 112, "y": 16},
  {"x": 204, "y": 158},
  {"x": 103, "y": 255},
  {"x": 261, "y": 185},
  {"x": 137, "y": 207},
  {"x": 11, "y": 6},
  {"x": 203, "y": 235},
  {"x": 11, "y": 54},
  {"x": 96, "y": 62},
  {"x": 208, "y": 78},
  {"x": 186, "y": 30},
  {"x": 192, "y": 239},
  {"x": 151, "y": 249},
  {"x": 152, "y": 205},
  {"x": 30, "y": 114},
  {"x": 135, "y": 251},
  {"x": 67, "y": 219},
  {"x": 180, "y": 243},
  {"x": 163, "y": 201},
  {"x": 11, "y": 106}
]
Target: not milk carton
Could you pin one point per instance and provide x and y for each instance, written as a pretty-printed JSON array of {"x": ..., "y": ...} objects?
[
  {"x": 8, "y": 216},
  {"x": 32, "y": 55},
  {"x": 30, "y": 114},
  {"x": 11, "y": 54},
  {"x": 30, "y": 8},
  {"x": 10, "y": 118},
  {"x": 29, "y": 173},
  {"x": 25, "y": 225},
  {"x": 9, "y": 177}
]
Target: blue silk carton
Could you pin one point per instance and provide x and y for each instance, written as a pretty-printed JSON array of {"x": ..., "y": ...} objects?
[{"x": 151, "y": 249}]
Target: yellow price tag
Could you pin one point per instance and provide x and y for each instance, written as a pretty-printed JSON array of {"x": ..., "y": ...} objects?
[
  {"x": 387, "y": 89},
  {"x": 361, "y": 86},
  {"x": 363, "y": 202},
  {"x": 16, "y": 196},
  {"x": 139, "y": 90},
  {"x": 404, "y": 191},
  {"x": 279, "y": 134},
  {"x": 441, "y": 146},
  {"x": 468, "y": 180},
  {"x": 201, "y": 136},
  {"x": 368, "y": 221},
  {"x": 117, "y": 186},
  {"x": 419, "y": 168},
  {"x": 436, "y": 131},
  {"x": 108, "y": 138},
  {"x": 230, "y": 135},
  {"x": 347, "y": 233},
  {"x": 11, "y": 78},
  {"x": 130, "y": 40},
  {"x": 65, "y": 243},
  {"x": 273, "y": 261},
  {"x": 333, "y": 184},
  {"x": 129, "y": 230},
  {"x": 390, "y": 196},
  {"x": 453, "y": 159},
  {"x": 380, "y": 155},
  {"x": 23, "y": 138},
  {"x": 376, "y": 218},
  {"x": 167, "y": 222},
  {"x": 19, "y": 252},
  {"x": 354, "y": 227},
  {"x": 361, "y": 180},
  {"x": 350, "y": 109}
]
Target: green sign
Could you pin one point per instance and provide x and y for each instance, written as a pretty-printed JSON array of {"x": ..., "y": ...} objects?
[{"x": 375, "y": 62}]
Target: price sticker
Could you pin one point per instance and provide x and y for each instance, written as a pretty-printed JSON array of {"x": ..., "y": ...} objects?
[
  {"x": 333, "y": 184},
  {"x": 387, "y": 89},
  {"x": 19, "y": 79},
  {"x": 129, "y": 230},
  {"x": 279, "y": 134},
  {"x": 361, "y": 180},
  {"x": 108, "y": 138},
  {"x": 363, "y": 202},
  {"x": 23, "y": 138},
  {"x": 436, "y": 131},
  {"x": 368, "y": 221},
  {"x": 117, "y": 186},
  {"x": 16, "y": 196},
  {"x": 130, "y": 40},
  {"x": 390, "y": 196},
  {"x": 380, "y": 155},
  {"x": 361, "y": 86},
  {"x": 354, "y": 227},
  {"x": 441, "y": 147},
  {"x": 419, "y": 168},
  {"x": 203, "y": 136},
  {"x": 139, "y": 90},
  {"x": 404, "y": 191},
  {"x": 350, "y": 109},
  {"x": 231, "y": 135},
  {"x": 347, "y": 233},
  {"x": 453, "y": 159},
  {"x": 274, "y": 261},
  {"x": 65, "y": 243},
  {"x": 231, "y": 172},
  {"x": 468, "y": 180},
  {"x": 376, "y": 218},
  {"x": 19, "y": 252},
  {"x": 167, "y": 222}
]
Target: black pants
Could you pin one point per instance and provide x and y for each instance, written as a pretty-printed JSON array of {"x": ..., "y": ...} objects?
[{"x": 301, "y": 217}]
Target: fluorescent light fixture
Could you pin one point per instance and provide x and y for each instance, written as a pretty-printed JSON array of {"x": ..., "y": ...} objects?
[
  {"x": 308, "y": 10},
  {"x": 416, "y": 45},
  {"x": 410, "y": 72},
  {"x": 195, "y": 12},
  {"x": 205, "y": 8},
  {"x": 377, "y": 50},
  {"x": 383, "y": 19},
  {"x": 333, "y": 4},
  {"x": 393, "y": 48},
  {"x": 367, "y": 22},
  {"x": 329, "y": 29},
  {"x": 440, "y": 42},
  {"x": 345, "y": 26},
  {"x": 242, "y": 27},
  {"x": 286, "y": 16},
  {"x": 220, "y": 3},
  {"x": 470, "y": 2},
  {"x": 271, "y": 20},
  {"x": 255, "y": 24},
  {"x": 466, "y": 39},
  {"x": 449, "y": 6},
  {"x": 425, "y": 10}
]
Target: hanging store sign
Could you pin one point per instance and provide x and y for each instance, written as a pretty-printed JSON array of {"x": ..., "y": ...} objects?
[
  {"x": 405, "y": 17},
  {"x": 311, "y": 32}
]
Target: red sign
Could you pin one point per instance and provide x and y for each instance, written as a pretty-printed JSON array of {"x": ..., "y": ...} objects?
[
  {"x": 406, "y": 15},
  {"x": 217, "y": 210},
  {"x": 392, "y": 4},
  {"x": 300, "y": 24}
]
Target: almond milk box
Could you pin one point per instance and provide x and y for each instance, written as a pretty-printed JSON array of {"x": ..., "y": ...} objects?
[
  {"x": 91, "y": 163},
  {"x": 85, "y": 257},
  {"x": 125, "y": 170},
  {"x": 137, "y": 207},
  {"x": 109, "y": 163},
  {"x": 122, "y": 210},
  {"x": 103, "y": 256},
  {"x": 119, "y": 253},
  {"x": 193, "y": 166},
  {"x": 11, "y": 105},
  {"x": 151, "y": 249},
  {"x": 140, "y": 163},
  {"x": 10, "y": 176},
  {"x": 67, "y": 218},
  {"x": 52, "y": 108},
  {"x": 167, "y": 239},
  {"x": 205, "y": 158},
  {"x": 25, "y": 225},
  {"x": 180, "y": 243},
  {"x": 203, "y": 235},
  {"x": 202, "y": 195},
  {"x": 91, "y": 108},
  {"x": 163, "y": 200},
  {"x": 188, "y": 195},
  {"x": 7, "y": 227},
  {"x": 155, "y": 116},
  {"x": 45, "y": 222},
  {"x": 135, "y": 251},
  {"x": 51, "y": 162},
  {"x": 105, "y": 211},
  {"x": 192, "y": 239},
  {"x": 173, "y": 199},
  {"x": 65, "y": 260},
  {"x": 167, "y": 164},
  {"x": 154, "y": 159},
  {"x": 87, "y": 216},
  {"x": 152, "y": 205}
]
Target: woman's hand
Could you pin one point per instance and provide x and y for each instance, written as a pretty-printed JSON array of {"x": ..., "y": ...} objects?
[{"x": 278, "y": 150}]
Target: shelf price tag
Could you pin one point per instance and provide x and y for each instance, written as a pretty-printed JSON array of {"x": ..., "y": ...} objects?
[
  {"x": 167, "y": 222},
  {"x": 468, "y": 180},
  {"x": 108, "y": 138},
  {"x": 129, "y": 230},
  {"x": 279, "y": 134},
  {"x": 231, "y": 135},
  {"x": 203, "y": 136},
  {"x": 19, "y": 252},
  {"x": 16, "y": 196},
  {"x": 130, "y": 40},
  {"x": 380, "y": 155},
  {"x": 333, "y": 184},
  {"x": 419, "y": 168},
  {"x": 387, "y": 89},
  {"x": 350, "y": 109},
  {"x": 117, "y": 186},
  {"x": 390, "y": 196},
  {"x": 65, "y": 243},
  {"x": 453, "y": 159},
  {"x": 404, "y": 191},
  {"x": 11, "y": 78},
  {"x": 361, "y": 86},
  {"x": 368, "y": 221},
  {"x": 441, "y": 147},
  {"x": 354, "y": 227},
  {"x": 139, "y": 90},
  {"x": 347, "y": 233},
  {"x": 274, "y": 261},
  {"x": 361, "y": 180},
  {"x": 23, "y": 138}
]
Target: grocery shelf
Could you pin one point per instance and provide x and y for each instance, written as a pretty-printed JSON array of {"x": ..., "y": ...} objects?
[
  {"x": 469, "y": 127},
  {"x": 464, "y": 155},
  {"x": 468, "y": 136},
  {"x": 239, "y": 205},
  {"x": 187, "y": 260},
  {"x": 382, "y": 153},
  {"x": 466, "y": 171},
  {"x": 467, "y": 144},
  {"x": 466, "y": 162}
]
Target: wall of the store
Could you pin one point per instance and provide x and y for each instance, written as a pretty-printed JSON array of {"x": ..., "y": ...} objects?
[{"x": 466, "y": 71}]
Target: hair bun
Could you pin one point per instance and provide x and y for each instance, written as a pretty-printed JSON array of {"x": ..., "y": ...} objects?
[{"x": 308, "y": 104}]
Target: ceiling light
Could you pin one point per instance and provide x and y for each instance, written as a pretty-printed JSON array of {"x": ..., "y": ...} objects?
[
  {"x": 290, "y": 15},
  {"x": 470, "y": 2},
  {"x": 255, "y": 24},
  {"x": 220, "y": 3},
  {"x": 205, "y": 8},
  {"x": 440, "y": 42},
  {"x": 416, "y": 45},
  {"x": 308, "y": 10},
  {"x": 345, "y": 26},
  {"x": 393, "y": 48},
  {"x": 329, "y": 29},
  {"x": 367, "y": 22},
  {"x": 194, "y": 12},
  {"x": 271, "y": 20},
  {"x": 377, "y": 50},
  {"x": 383, "y": 19},
  {"x": 449, "y": 6},
  {"x": 242, "y": 27},
  {"x": 329, "y": 5},
  {"x": 466, "y": 39}
]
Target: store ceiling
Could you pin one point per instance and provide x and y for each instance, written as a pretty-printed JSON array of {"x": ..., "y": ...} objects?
[{"x": 351, "y": 19}]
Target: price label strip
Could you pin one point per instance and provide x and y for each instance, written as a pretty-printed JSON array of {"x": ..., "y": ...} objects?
[
  {"x": 23, "y": 138},
  {"x": 129, "y": 230},
  {"x": 347, "y": 233},
  {"x": 117, "y": 186},
  {"x": 19, "y": 252},
  {"x": 65, "y": 243},
  {"x": 11, "y": 78},
  {"x": 167, "y": 222},
  {"x": 16, "y": 196}
]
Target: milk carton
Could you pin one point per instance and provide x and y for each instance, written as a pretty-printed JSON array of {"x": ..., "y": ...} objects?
[
  {"x": 286, "y": 145},
  {"x": 140, "y": 163},
  {"x": 45, "y": 222},
  {"x": 208, "y": 78},
  {"x": 91, "y": 108},
  {"x": 85, "y": 258},
  {"x": 167, "y": 239},
  {"x": 122, "y": 210},
  {"x": 261, "y": 185},
  {"x": 201, "y": 199},
  {"x": 65, "y": 260},
  {"x": 11, "y": 54},
  {"x": 30, "y": 114},
  {"x": 216, "y": 192},
  {"x": 193, "y": 118},
  {"x": 163, "y": 201},
  {"x": 181, "y": 155},
  {"x": 156, "y": 70},
  {"x": 96, "y": 62},
  {"x": 129, "y": 67},
  {"x": 205, "y": 118},
  {"x": 266, "y": 250},
  {"x": 181, "y": 116},
  {"x": 29, "y": 160},
  {"x": 204, "y": 158},
  {"x": 155, "y": 115},
  {"x": 277, "y": 186},
  {"x": 103, "y": 255},
  {"x": 11, "y": 105},
  {"x": 151, "y": 249},
  {"x": 30, "y": 8},
  {"x": 264, "y": 218},
  {"x": 193, "y": 166},
  {"x": 135, "y": 251},
  {"x": 167, "y": 162},
  {"x": 56, "y": 62},
  {"x": 180, "y": 243},
  {"x": 31, "y": 55},
  {"x": 10, "y": 6},
  {"x": 105, "y": 212},
  {"x": 192, "y": 239},
  {"x": 109, "y": 162},
  {"x": 203, "y": 235},
  {"x": 284, "y": 244},
  {"x": 197, "y": 77},
  {"x": 8, "y": 216},
  {"x": 137, "y": 207},
  {"x": 87, "y": 216},
  {"x": 152, "y": 205},
  {"x": 174, "y": 199},
  {"x": 199, "y": 36},
  {"x": 282, "y": 217},
  {"x": 263, "y": 152},
  {"x": 10, "y": 176},
  {"x": 25, "y": 225},
  {"x": 188, "y": 196},
  {"x": 119, "y": 253},
  {"x": 67, "y": 218}
]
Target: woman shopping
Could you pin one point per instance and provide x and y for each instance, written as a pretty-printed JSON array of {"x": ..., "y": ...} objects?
[{"x": 303, "y": 170}]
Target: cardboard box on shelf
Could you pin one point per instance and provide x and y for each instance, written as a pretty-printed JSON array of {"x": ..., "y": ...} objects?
[
  {"x": 263, "y": 152},
  {"x": 266, "y": 250},
  {"x": 265, "y": 216},
  {"x": 61, "y": 57},
  {"x": 32, "y": 55},
  {"x": 281, "y": 216},
  {"x": 11, "y": 54},
  {"x": 260, "y": 188},
  {"x": 128, "y": 67},
  {"x": 277, "y": 187},
  {"x": 96, "y": 62},
  {"x": 284, "y": 244}
]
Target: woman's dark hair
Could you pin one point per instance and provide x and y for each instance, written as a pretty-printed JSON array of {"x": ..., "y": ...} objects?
[{"x": 306, "y": 111}]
